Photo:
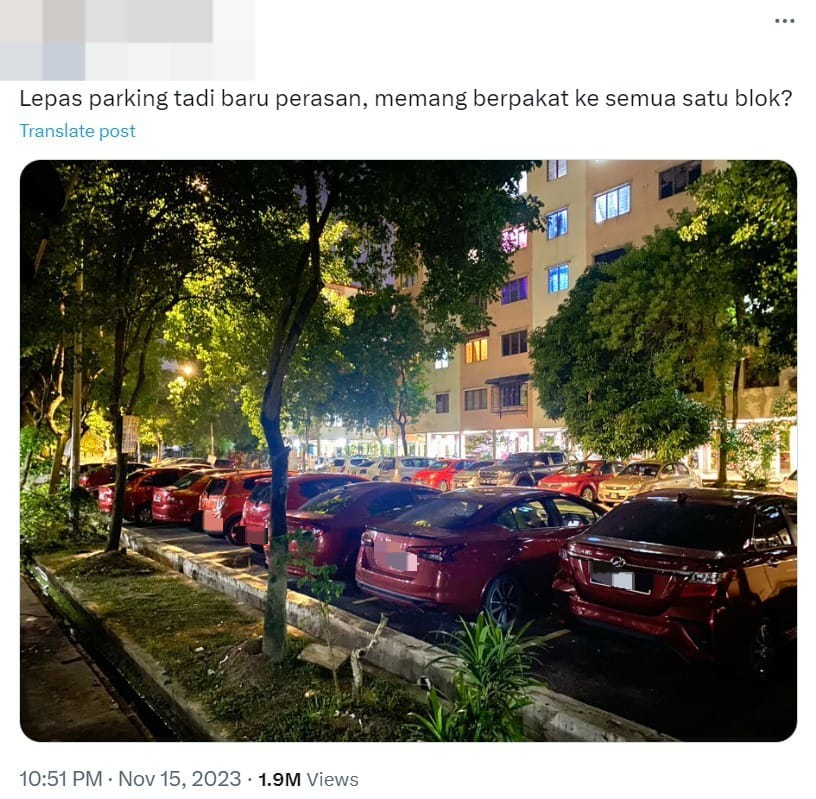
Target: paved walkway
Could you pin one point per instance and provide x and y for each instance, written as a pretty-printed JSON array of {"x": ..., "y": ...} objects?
[{"x": 61, "y": 697}]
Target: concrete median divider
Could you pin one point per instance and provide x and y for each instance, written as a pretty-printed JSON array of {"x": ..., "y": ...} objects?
[{"x": 550, "y": 716}]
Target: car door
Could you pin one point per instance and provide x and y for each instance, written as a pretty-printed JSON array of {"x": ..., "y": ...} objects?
[{"x": 387, "y": 469}]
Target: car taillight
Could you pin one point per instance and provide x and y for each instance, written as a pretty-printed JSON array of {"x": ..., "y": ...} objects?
[
  {"x": 220, "y": 504},
  {"x": 367, "y": 539},
  {"x": 706, "y": 584},
  {"x": 438, "y": 554}
]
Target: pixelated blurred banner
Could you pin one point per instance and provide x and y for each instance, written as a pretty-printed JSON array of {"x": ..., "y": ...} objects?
[{"x": 127, "y": 39}]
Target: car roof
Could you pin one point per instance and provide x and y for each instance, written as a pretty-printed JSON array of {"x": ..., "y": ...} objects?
[{"x": 714, "y": 496}]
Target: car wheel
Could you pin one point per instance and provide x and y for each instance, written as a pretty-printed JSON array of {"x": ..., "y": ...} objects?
[
  {"x": 503, "y": 601},
  {"x": 405, "y": 480},
  {"x": 763, "y": 650},
  {"x": 144, "y": 514},
  {"x": 443, "y": 485},
  {"x": 524, "y": 481},
  {"x": 234, "y": 533},
  {"x": 197, "y": 522},
  {"x": 588, "y": 494}
]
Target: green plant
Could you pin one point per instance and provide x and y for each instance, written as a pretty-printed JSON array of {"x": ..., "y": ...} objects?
[{"x": 491, "y": 676}]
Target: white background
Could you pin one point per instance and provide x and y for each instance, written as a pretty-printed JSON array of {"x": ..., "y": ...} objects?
[{"x": 512, "y": 46}]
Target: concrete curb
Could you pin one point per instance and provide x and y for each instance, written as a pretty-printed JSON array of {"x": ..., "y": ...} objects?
[{"x": 551, "y": 716}]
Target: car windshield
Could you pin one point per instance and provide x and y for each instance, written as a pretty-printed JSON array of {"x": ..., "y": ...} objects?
[
  {"x": 439, "y": 464},
  {"x": 476, "y": 465},
  {"x": 331, "y": 502},
  {"x": 581, "y": 467},
  {"x": 188, "y": 479},
  {"x": 640, "y": 470},
  {"x": 445, "y": 512},
  {"x": 260, "y": 493},
  {"x": 664, "y": 520}
]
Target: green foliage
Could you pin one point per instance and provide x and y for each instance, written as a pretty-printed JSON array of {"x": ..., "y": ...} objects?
[
  {"x": 33, "y": 445},
  {"x": 45, "y": 523},
  {"x": 491, "y": 678}
]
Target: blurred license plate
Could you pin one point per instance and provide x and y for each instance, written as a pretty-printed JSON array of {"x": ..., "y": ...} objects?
[
  {"x": 392, "y": 556},
  {"x": 603, "y": 574}
]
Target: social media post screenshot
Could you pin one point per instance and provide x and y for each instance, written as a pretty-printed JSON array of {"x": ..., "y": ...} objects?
[{"x": 350, "y": 421}]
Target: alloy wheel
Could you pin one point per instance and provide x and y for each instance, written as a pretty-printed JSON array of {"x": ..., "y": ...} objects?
[{"x": 503, "y": 601}]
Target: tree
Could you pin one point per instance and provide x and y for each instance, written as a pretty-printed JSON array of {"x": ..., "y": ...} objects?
[
  {"x": 273, "y": 219},
  {"x": 383, "y": 374}
]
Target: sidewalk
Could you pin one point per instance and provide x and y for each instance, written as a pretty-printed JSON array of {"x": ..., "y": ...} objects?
[{"x": 61, "y": 696}]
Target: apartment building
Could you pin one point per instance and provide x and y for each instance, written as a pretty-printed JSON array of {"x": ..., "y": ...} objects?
[{"x": 482, "y": 400}]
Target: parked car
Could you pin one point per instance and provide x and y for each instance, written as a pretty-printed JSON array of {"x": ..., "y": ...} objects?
[
  {"x": 343, "y": 465},
  {"x": 365, "y": 468},
  {"x": 222, "y": 501},
  {"x": 709, "y": 572},
  {"x": 400, "y": 469},
  {"x": 490, "y": 549},
  {"x": 178, "y": 503},
  {"x": 103, "y": 473},
  {"x": 336, "y": 519},
  {"x": 252, "y": 528},
  {"x": 789, "y": 485},
  {"x": 522, "y": 469},
  {"x": 440, "y": 473},
  {"x": 139, "y": 491},
  {"x": 639, "y": 477},
  {"x": 469, "y": 476},
  {"x": 581, "y": 478}
]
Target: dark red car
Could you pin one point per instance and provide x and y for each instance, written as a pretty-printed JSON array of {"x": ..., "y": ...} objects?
[
  {"x": 336, "y": 519},
  {"x": 440, "y": 473},
  {"x": 490, "y": 549},
  {"x": 582, "y": 478},
  {"x": 139, "y": 491},
  {"x": 104, "y": 473},
  {"x": 709, "y": 572},
  {"x": 222, "y": 502},
  {"x": 300, "y": 488},
  {"x": 178, "y": 503}
]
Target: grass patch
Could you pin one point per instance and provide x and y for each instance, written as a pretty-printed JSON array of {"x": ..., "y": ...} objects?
[{"x": 211, "y": 647}]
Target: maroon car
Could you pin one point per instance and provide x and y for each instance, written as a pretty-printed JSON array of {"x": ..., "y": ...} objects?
[
  {"x": 178, "y": 503},
  {"x": 709, "y": 572},
  {"x": 582, "y": 478},
  {"x": 139, "y": 491},
  {"x": 300, "y": 488},
  {"x": 490, "y": 549},
  {"x": 335, "y": 520},
  {"x": 222, "y": 502},
  {"x": 103, "y": 473}
]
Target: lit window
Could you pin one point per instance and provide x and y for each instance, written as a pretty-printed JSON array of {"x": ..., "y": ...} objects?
[
  {"x": 612, "y": 203},
  {"x": 514, "y": 291},
  {"x": 557, "y": 224},
  {"x": 514, "y": 238},
  {"x": 514, "y": 343},
  {"x": 476, "y": 399},
  {"x": 679, "y": 178},
  {"x": 522, "y": 184},
  {"x": 558, "y": 278},
  {"x": 556, "y": 169},
  {"x": 476, "y": 350},
  {"x": 443, "y": 403},
  {"x": 442, "y": 361}
]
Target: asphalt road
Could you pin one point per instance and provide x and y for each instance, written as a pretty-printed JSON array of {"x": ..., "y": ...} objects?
[{"x": 631, "y": 678}]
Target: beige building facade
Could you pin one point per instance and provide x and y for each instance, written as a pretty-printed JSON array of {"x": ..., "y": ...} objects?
[{"x": 482, "y": 401}]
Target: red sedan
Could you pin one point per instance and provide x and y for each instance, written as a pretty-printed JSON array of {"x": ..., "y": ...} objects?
[
  {"x": 440, "y": 473},
  {"x": 490, "y": 549},
  {"x": 300, "y": 488},
  {"x": 139, "y": 491},
  {"x": 178, "y": 503},
  {"x": 336, "y": 519},
  {"x": 582, "y": 478}
]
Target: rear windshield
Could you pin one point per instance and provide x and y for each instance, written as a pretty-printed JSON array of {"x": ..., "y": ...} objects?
[
  {"x": 695, "y": 525},
  {"x": 476, "y": 465},
  {"x": 331, "y": 502},
  {"x": 189, "y": 479},
  {"x": 641, "y": 470},
  {"x": 216, "y": 487},
  {"x": 260, "y": 493},
  {"x": 445, "y": 512},
  {"x": 582, "y": 467}
]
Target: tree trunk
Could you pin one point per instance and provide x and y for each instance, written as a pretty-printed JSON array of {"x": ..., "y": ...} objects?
[
  {"x": 118, "y": 377},
  {"x": 56, "y": 465}
]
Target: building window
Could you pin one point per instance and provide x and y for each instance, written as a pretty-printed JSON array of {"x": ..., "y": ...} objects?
[
  {"x": 612, "y": 203},
  {"x": 557, "y": 224},
  {"x": 407, "y": 281},
  {"x": 556, "y": 169},
  {"x": 514, "y": 291},
  {"x": 510, "y": 396},
  {"x": 442, "y": 361},
  {"x": 514, "y": 238},
  {"x": 514, "y": 343},
  {"x": 558, "y": 278},
  {"x": 609, "y": 256},
  {"x": 476, "y": 350},
  {"x": 758, "y": 375},
  {"x": 476, "y": 399},
  {"x": 443, "y": 403},
  {"x": 679, "y": 178}
]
